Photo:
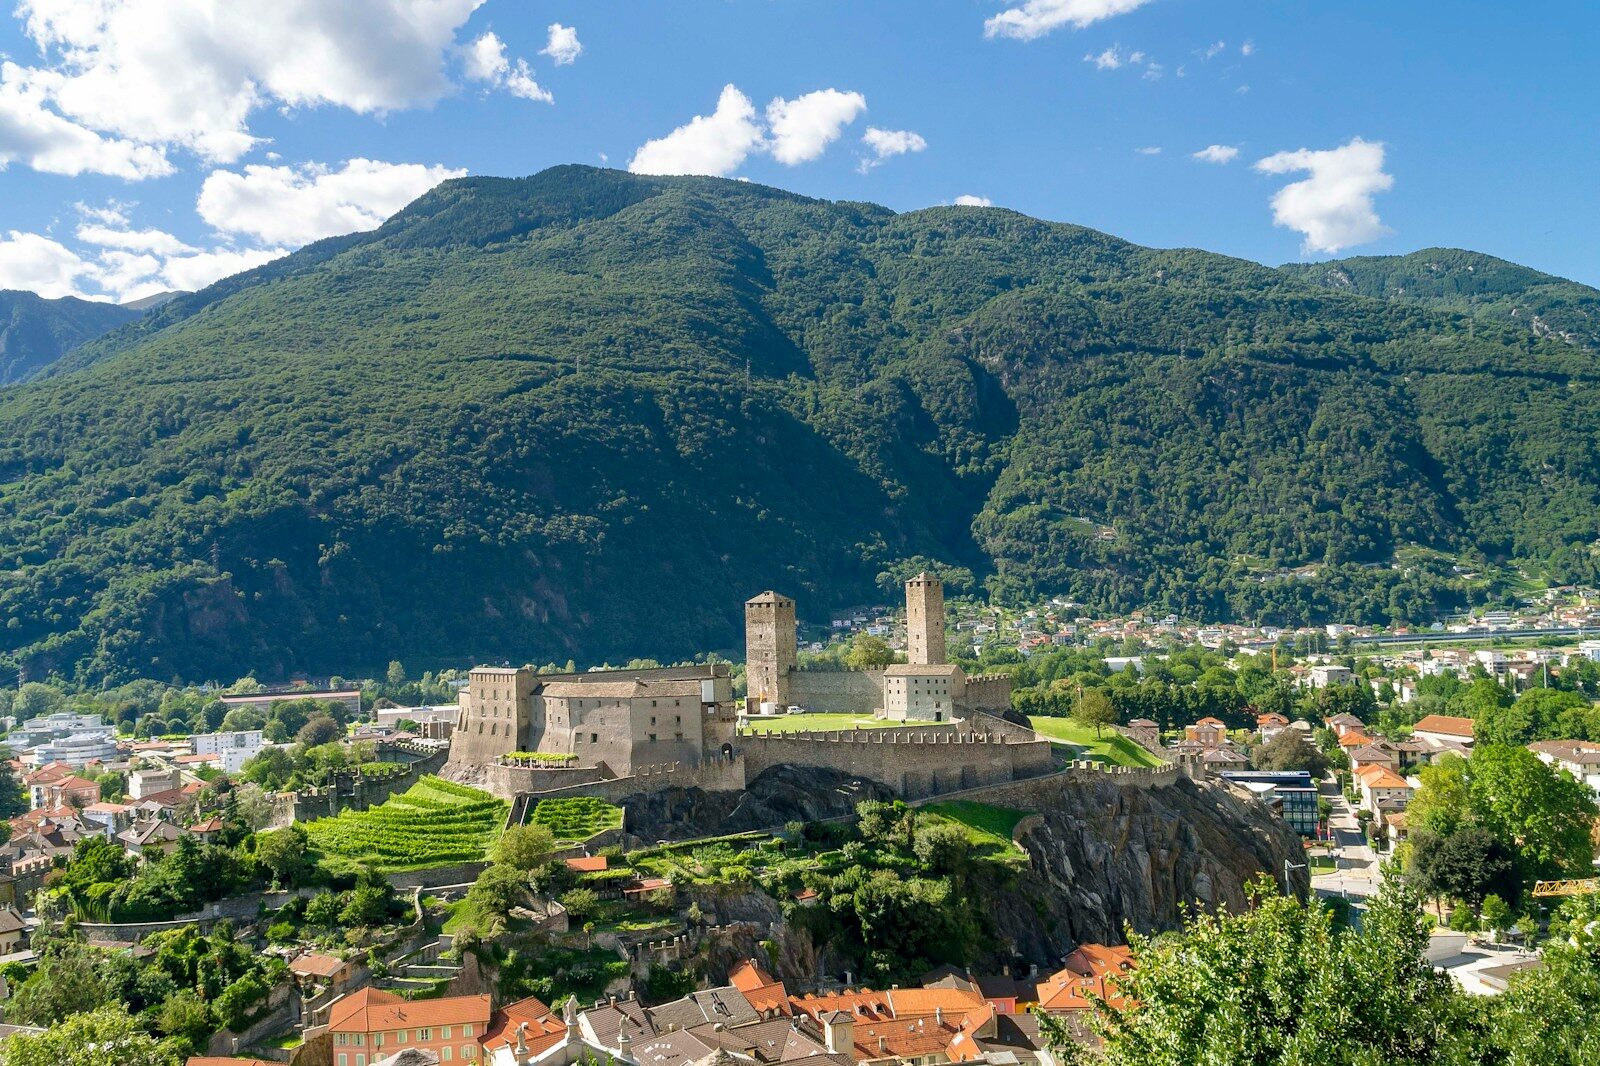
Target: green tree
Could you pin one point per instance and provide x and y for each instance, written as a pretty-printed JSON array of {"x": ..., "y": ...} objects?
[
  {"x": 35, "y": 700},
  {"x": 525, "y": 847},
  {"x": 1471, "y": 864},
  {"x": 1289, "y": 751},
  {"x": 1546, "y": 812},
  {"x": 1281, "y": 983},
  {"x": 868, "y": 652},
  {"x": 1495, "y": 913},
  {"x": 581, "y": 903},
  {"x": 13, "y": 797},
  {"x": 1094, "y": 709},
  {"x": 68, "y": 981},
  {"x": 186, "y": 1016},
  {"x": 1443, "y": 804},
  {"x": 396, "y": 674},
  {"x": 106, "y": 1036},
  {"x": 283, "y": 853},
  {"x": 320, "y": 729}
]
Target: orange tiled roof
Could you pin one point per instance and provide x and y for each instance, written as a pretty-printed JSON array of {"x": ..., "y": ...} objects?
[
  {"x": 917, "y": 1002},
  {"x": 863, "y": 1004},
  {"x": 587, "y": 864},
  {"x": 372, "y": 1010},
  {"x": 1447, "y": 724},
  {"x": 544, "y": 1030},
  {"x": 902, "y": 1038},
  {"x": 964, "y": 1046},
  {"x": 1354, "y": 739},
  {"x": 765, "y": 993},
  {"x": 1379, "y": 776}
]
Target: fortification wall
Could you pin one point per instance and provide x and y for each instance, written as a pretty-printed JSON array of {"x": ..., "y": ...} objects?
[
  {"x": 509, "y": 781},
  {"x": 916, "y": 763},
  {"x": 987, "y": 692},
  {"x": 837, "y": 691}
]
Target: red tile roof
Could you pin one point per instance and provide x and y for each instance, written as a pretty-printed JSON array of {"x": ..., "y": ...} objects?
[
  {"x": 587, "y": 864},
  {"x": 371, "y": 1010},
  {"x": 1446, "y": 724}
]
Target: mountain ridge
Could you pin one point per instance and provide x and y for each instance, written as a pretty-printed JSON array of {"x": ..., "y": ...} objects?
[
  {"x": 35, "y": 332},
  {"x": 585, "y": 414}
]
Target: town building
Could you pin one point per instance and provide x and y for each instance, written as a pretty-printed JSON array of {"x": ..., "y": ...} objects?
[
  {"x": 1580, "y": 758},
  {"x": 77, "y": 750},
  {"x": 1290, "y": 793},
  {"x": 232, "y": 749}
]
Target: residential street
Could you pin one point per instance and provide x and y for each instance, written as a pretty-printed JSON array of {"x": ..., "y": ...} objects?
[{"x": 1357, "y": 874}]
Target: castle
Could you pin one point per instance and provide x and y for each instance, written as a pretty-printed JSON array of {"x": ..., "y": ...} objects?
[
  {"x": 924, "y": 688},
  {"x": 619, "y": 732}
]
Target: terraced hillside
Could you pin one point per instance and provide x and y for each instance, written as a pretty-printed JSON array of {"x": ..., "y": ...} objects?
[{"x": 433, "y": 823}]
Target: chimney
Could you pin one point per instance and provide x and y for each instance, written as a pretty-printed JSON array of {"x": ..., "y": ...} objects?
[
  {"x": 938, "y": 1016},
  {"x": 883, "y": 1044}
]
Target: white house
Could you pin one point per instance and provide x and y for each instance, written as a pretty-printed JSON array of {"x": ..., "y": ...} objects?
[
  {"x": 1580, "y": 758},
  {"x": 233, "y": 749}
]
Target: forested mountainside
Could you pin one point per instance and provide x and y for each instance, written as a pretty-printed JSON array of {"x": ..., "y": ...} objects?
[
  {"x": 35, "y": 332},
  {"x": 587, "y": 413},
  {"x": 1472, "y": 283}
]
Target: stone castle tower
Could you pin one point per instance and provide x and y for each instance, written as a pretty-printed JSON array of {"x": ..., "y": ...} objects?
[
  {"x": 769, "y": 646},
  {"x": 925, "y": 620}
]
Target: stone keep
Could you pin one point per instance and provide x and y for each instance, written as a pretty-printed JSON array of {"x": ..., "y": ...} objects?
[
  {"x": 925, "y": 620},
  {"x": 769, "y": 641}
]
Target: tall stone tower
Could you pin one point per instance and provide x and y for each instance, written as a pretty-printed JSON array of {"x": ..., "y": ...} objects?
[
  {"x": 769, "y": 649},
  {"x": 925, "y": 620}
]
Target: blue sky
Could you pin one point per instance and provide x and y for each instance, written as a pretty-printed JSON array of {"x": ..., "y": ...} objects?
[{"x": 151, "y": 144}]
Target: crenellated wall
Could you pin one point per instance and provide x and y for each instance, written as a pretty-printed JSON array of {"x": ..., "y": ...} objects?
[{"x": 915, "y": 762}]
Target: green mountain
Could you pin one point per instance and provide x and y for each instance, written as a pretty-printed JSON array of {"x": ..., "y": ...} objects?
[
  {"x": 35, "y": 332},
  {"x": 1469, "y": 283},
  {"x": 587, "y": 413}
]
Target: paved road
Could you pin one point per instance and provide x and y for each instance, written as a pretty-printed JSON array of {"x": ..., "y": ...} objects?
[{"x": 1357, "y": 874}]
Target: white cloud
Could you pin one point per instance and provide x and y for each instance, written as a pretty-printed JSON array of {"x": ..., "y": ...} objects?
[
  {"x": 803, "y": 128},
  {"x": 1114, "y": 58},
  {"x": 715, "y": 144},
  {"x": 192, "y": 272},
  {"x": 886, "y": 144},
  {"x": 1216, "y": 153},
  {"x": 131, "y": 240},
  {"x": 296, "y": 205},
  {"x": 190, "y": 72},
  {"x": 485, "y": 60},
  {"x": 1213, "y": 51},
  {"x": 974, "y": 201},
  {"x": 39, "y": 264},
  {"x": 1036, "y": 18},
  {"x": 1149, "y": 150},
  {"x": 1333, "y": 206},
  {"x": 564, "y": 46},
  {"x": 1248, "y": 48},
  {"x": 37, "y": 137}
]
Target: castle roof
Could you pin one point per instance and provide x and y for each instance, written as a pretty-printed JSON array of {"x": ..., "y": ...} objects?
[
  {"x": 923, "y": 670},
  {"x": 629, "y": 689},
  {"x": 768, "y": 597}
]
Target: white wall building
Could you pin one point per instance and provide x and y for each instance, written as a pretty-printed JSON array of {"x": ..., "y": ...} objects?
[
  {"x": 77, "y": 750},
  {"x": 56, "y": 726},
  {"x": 232, "y": 749}
]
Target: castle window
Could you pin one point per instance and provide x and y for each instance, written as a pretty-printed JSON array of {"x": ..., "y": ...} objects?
[
  {"x": 594, "y": 738},
  {"x": 652, "y": 738}
]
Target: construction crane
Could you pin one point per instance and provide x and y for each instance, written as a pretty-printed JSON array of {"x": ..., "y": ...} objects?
[{"x": 1583, "y": 887}]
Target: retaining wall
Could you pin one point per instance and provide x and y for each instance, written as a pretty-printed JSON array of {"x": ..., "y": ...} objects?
[{"x": 1040, "y": 793}]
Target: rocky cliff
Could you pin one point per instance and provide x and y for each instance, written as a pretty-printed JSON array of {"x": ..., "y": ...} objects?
[
  {"x": 1106, "y": 855},
  {"x": 1107, "y": 852}
]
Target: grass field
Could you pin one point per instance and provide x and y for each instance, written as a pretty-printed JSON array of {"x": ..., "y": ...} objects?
[
  {"x": 433, "y": 823},
  {"x": 804, "y": 723},
  {"x": 1110, "y": 746},
  {"x": 988, "y": 828}
]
